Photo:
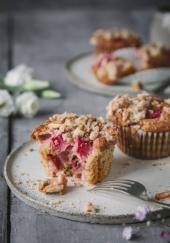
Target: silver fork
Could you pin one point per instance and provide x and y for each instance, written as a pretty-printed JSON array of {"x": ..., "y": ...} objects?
[{"x": 130, "y": 187}]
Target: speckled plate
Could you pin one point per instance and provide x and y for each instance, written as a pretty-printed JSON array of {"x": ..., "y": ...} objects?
[
  {"x": 23, "y": 169},
  {"x": 80, "y": 73}
]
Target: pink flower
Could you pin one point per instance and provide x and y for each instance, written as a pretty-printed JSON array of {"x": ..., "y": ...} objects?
[
  {"x": 165, "y": 234},
  {"x": 127, "y": 233},
  {"x": 141, "y": 213}
]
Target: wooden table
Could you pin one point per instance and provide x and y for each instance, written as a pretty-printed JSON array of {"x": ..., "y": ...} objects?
[{"x": 45, "y": 40}]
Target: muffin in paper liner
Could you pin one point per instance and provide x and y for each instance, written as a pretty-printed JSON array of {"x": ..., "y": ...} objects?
[{"x": 144, "y": 145}]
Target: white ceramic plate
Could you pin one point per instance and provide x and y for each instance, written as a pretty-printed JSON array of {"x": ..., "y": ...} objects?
[
  {"x": 80, "y": 73},
  {"x": 23, "y": 168}
]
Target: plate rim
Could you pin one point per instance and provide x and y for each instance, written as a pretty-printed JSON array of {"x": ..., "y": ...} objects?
[
  {"x": 79, "y": 217},
  {"x": 78, "y": 81}
]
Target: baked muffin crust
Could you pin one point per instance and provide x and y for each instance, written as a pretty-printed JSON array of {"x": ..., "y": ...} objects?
[
  {"x": 145, "y": 112},
  {"x": 109, "y": 68},
  {"x": 154, "y": 55},
  {"x": 72, "y": 125},
  {"x": 78, "y": 146},
  {"x": 111, "y": 39}
]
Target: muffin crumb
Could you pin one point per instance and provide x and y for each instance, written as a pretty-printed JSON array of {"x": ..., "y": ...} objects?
[
  {"x": 89, "y": 208},
  {"x": 54, "y": 185},
  {"x": 137, "y": 85}
]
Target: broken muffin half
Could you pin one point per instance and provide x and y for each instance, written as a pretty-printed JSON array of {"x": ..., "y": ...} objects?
[{"x": 78, "y": 146}]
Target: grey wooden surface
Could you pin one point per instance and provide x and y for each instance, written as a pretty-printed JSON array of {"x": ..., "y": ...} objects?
[
  {"x": 4, "y": 133},
  {"x": 45, "y": 40}
]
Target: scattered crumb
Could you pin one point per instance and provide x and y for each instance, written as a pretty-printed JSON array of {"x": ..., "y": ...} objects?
[
  {"x": 54, "y": 185},
  {"x": 162, "y": 195},
  {"x": 89, "y": 208},
  {"x": 55, "y": 203},
  {"x": 148, "y": 223},
  {"x": 154, "y": 164},
  {"x": 157, "y": 164},
  {"x": 137, "y": 85},
  {"x": 126, "y": 163},
  {"x": 162, "y": 221},
  {"x": 31, "y": 149}
]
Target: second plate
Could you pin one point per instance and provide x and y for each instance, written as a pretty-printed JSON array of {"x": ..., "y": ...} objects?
[{"x": 80, "y": 73}]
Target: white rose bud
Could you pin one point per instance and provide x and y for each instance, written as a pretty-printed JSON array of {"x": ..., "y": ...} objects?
[
  {"x": 27, "y": 104},
  {"x": 20, "y": 75},
  {"x": 6, "y": 104}
]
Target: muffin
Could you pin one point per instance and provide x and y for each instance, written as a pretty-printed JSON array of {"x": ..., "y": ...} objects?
[
  {"x": 154, "y": 55},
  {"x": 108, "y": 68},
  {"x": 143, "y": 123},
  {"x": 107, "y": 40},
  {"x": 77, "y": 146}
]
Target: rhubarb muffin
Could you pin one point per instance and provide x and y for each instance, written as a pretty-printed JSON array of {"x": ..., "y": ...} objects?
[
  {"x": 154, "y": 55},
  {"x": 107, "y": 40},
  {"x": 109, "y": 68},
  {"x": 77, "y": 146},
  {"x": 143, "y": 123}
]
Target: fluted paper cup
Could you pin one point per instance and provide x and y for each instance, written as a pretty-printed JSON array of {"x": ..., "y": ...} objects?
[{"x": 144, "y": 145}]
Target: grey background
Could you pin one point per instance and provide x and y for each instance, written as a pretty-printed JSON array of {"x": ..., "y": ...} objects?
[{"x": 113, "y": 4}]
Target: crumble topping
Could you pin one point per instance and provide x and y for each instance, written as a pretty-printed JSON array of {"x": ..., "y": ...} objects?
[
  {"x": 111, "y": 34},
  {"x": 54, "y": 185},
  {"x": 153, "y": 50},
  {"x": 140, "y": 110},
  {"x": 89, "y": 208},
  {"x": 72, "y": 126}
]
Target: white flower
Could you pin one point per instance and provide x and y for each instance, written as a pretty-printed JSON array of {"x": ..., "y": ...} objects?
[
  {"x": 141, "y": 213},
  {"x": 6, "y": 104},
  {"x": 27, "y": 104},
  {"x": 20, "y": 75},
  {"x": 127, "y": 233},
  {"x": 166, "y": 21}
]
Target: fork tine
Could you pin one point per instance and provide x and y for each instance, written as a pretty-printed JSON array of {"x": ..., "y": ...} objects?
[
  {"x": 116, "y": 185},
  {"x": 122, "y": 184},
  {"x": 127, "y": 181},
  {"x": 114, "y": 189}
]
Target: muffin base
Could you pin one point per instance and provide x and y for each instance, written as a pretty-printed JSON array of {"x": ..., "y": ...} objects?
[{"x": 144, "y": 145}]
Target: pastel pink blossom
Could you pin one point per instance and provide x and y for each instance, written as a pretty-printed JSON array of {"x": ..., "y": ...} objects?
[
  {"x": 141, "y": 213},
  {"x": 165, "y": 234}
]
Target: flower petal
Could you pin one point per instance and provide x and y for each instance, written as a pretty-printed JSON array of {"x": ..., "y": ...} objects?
[
  {"x": 141, "y": 213},
  {"x": 127, "y": 233},
  {"x": 27, "y": 104},
  {"x": 165, "y": 234}
]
